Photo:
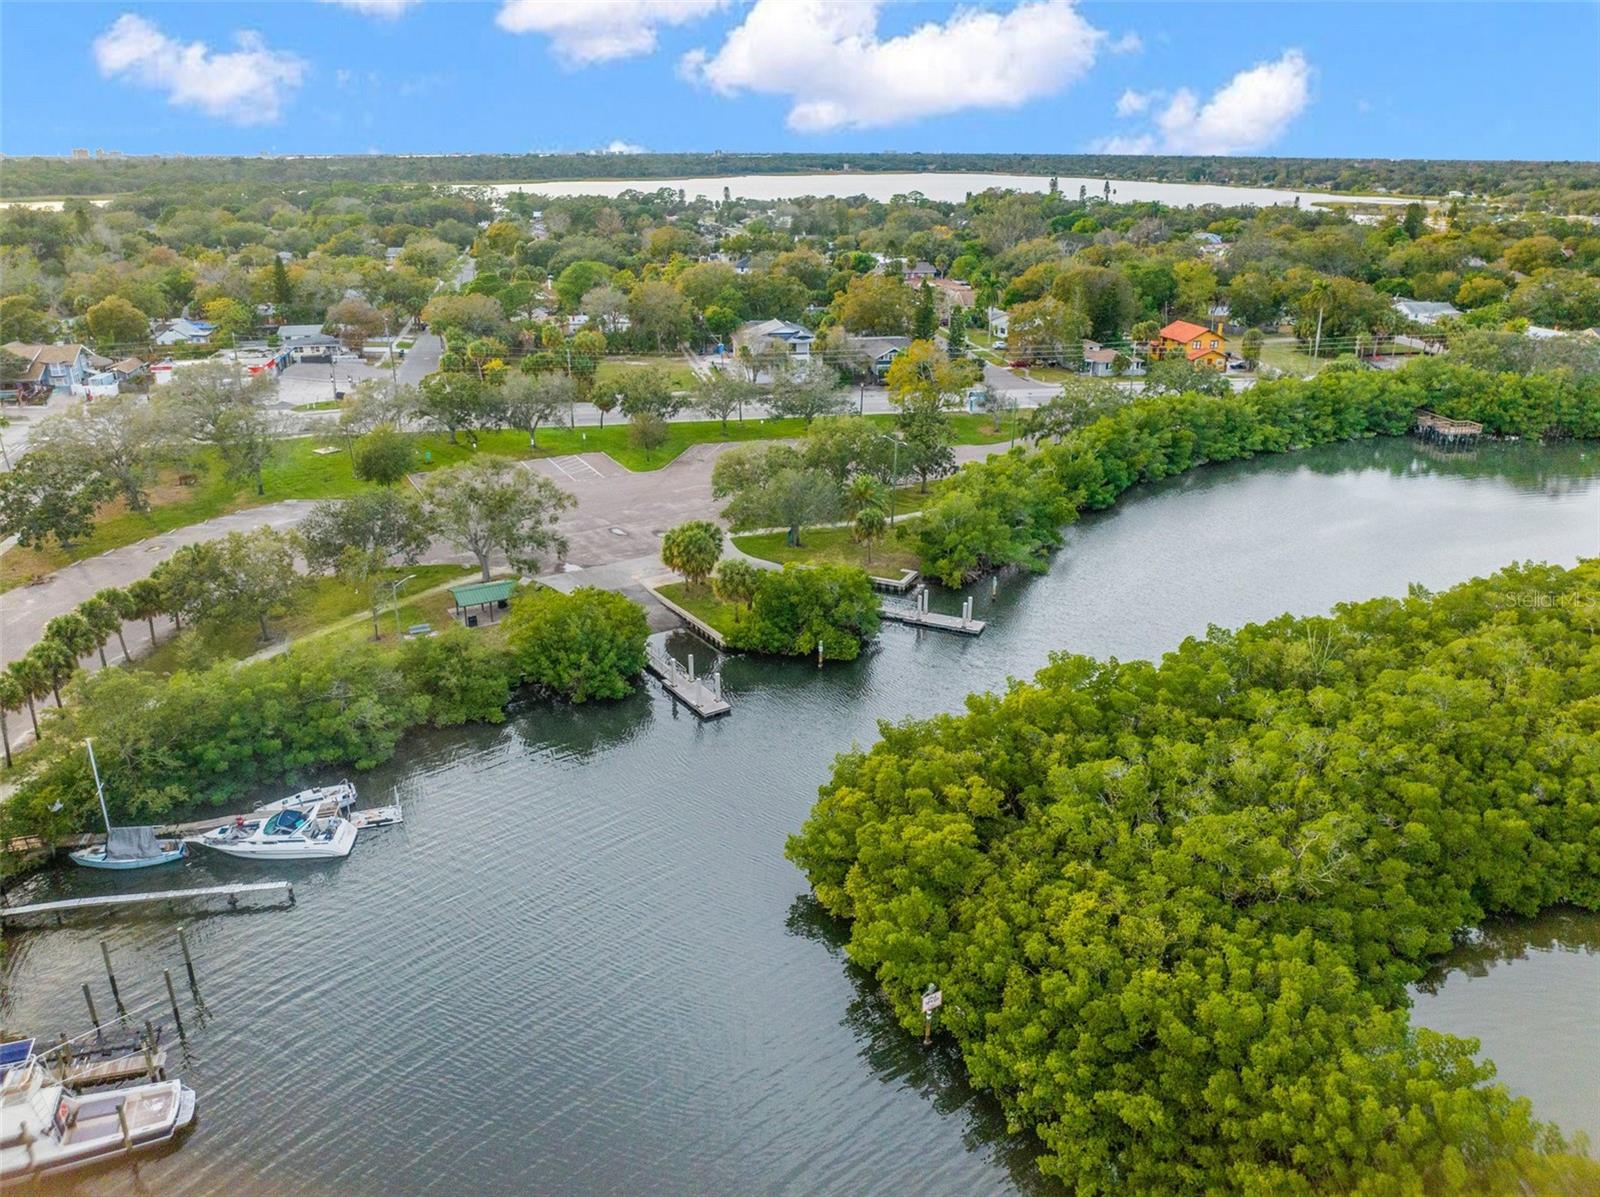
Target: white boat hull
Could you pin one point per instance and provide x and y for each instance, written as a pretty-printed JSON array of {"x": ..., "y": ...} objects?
[
  {"x": 47, "y": 1131},
  {"x": 256, "y": 847}
]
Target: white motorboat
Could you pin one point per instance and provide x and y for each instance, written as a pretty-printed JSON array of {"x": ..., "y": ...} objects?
[
  {"x": 45, "y": 1129},
  {"x": 125, "y": 847},
  {"x": 342, "y": 793},
  {"x": 294, "y": 833}
]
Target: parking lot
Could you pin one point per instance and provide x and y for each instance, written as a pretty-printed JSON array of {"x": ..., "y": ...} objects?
[{"x": 305, "y": 383}]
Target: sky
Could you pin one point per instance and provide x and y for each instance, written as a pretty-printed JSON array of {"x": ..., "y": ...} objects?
[{"x": 1400, "y": 80}]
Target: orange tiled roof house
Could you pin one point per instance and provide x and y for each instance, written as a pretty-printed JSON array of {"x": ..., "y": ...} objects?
[{"x": 1200, "y": 345}]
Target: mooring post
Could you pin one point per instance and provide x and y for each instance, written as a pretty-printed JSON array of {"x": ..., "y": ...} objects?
[
  {"x": 172, "y": 996},
  {"x": 149, "y": 1051},
  {"x": 691, "y": 667},
  {"x": 716, "y": 685},
  {"x": 94, "y": 1016},
  {"x": 994, "y": 586},
  {"x": 291, "y": 893},
  {"x": 105, "y": 953},
  {"x": 122, "y": 1122},
  {"x": 183, "y": 942}
]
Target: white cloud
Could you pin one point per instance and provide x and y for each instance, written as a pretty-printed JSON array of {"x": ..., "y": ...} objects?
[
  {"x": 1129, "y": 43},
  {"x": 386, "y": 9},
  {"x": 1131, "y": 102},
  {"x": 247, "y": 86},
  {"x": 827, "y": 57},
  {"x": 582, "y": 32},
  {"x": 623, "y": 147},
  {"x": 1249, "y": 112}
]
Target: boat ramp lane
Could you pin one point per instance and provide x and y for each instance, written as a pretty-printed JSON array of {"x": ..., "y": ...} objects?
[
  {"x": 110, "y": 901},
  {"x": 916, "y": 614},
  {"x": 701, "y": 695}
]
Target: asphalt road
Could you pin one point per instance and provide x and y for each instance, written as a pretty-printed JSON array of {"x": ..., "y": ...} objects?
[{"x": 25, "y": 610}]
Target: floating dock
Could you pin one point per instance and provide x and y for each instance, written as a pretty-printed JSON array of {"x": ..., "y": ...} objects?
[
  {"x": 917, "y": 615},
  {"x": 111, "y": 901},
  {"x": 702, "y": 696}
]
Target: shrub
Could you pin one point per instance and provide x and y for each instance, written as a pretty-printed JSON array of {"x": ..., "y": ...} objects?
[{"x": 583, "y": 645}]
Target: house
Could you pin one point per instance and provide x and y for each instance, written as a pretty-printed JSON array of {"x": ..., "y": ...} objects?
[
  {"x": 762, "y": 336},
  {"x": 129, "y": 367},
  {"x": 1538, "y": 333},
  {"x": 1100, "y": 362},
  {"x": 55, "y": 367},
  {"x": 880, "y": 351},
  {"x": 1420, "y": 311},
  {"x": 999, "y": 321},
  {"x": 920, "y": 271},
  {"x": 1202, "y": 346},
  {"x": 950, "y": 294},
  {"x": 181, "y": 331},
  {"x": 316, "y": 347}
]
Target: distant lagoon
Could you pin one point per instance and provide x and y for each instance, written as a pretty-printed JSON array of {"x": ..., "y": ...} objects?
[{"x": 948, "y": 187}]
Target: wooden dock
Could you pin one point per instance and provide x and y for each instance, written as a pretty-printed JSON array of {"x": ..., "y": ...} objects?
[
  {"x": 1441, "y": 430},
  {"x": 700, "y": 695},
  {"x": 917, "y": 615},
  {"x": 111, "y": 901},
  {"x": 112, "y": 1070}
]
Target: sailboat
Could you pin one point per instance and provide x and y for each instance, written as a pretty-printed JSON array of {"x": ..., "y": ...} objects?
[{"x": 125, "y": 847}]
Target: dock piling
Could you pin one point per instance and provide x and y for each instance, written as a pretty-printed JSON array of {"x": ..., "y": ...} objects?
[
  {"x": 183, "y": 942},
  {"x": 94, "y": 1016},
  {"x": 172, "y": 996},
  {"x": 149, "y": 1047},
  {"x": 105, "y": 953},
  {"x": 122, "y": 1122}
]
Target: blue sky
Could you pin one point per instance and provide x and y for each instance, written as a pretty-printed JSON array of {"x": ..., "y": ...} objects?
[{"x": 1482, "y": 80}]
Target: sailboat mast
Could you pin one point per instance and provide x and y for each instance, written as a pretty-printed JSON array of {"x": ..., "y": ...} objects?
[{"x": 98, "y": 788}]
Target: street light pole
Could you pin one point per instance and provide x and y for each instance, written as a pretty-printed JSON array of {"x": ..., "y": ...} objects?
[{"x": 894, "y": 471}]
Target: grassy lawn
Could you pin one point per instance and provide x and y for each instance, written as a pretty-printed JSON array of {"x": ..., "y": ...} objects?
[
  {"x": 702, "y": 603},
  {"x": 299, "y": 471},
  {"x": 1286, "y": 355},
  {"x": 834, "y": 546},
  {"x": 676, "y": 368},
  {"x": 327, "y": 602}
]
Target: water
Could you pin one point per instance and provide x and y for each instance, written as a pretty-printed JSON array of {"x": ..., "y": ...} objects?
[
  {"x": 950, "y": 187},
  {"x": 1529, "y": 992},
  {"x": 583, "y": 965}
]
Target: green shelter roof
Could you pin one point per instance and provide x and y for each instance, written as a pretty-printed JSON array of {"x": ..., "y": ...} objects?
[{"x": 476, "y": 593}]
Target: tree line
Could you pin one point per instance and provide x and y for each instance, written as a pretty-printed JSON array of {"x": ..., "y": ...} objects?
[
  {"x": 1173, "y": 908},
  {"x": 1009, "y": 510}
]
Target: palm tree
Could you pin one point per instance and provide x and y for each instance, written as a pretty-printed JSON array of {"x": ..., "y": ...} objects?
[
  {"x": 864, "y": 491},
  {"x": 32, "y": 683},
  {"x": 102, "y": 619},
  {"x": 119, "y": 602},
  {"x": 146, "y": 600},
  {"x": 56, "y": 662},
  {"x": 11, "y": 697},
  {"x": 72, "y": 632}
]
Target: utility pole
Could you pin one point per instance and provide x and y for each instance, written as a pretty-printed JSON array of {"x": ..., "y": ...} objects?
[{"x": 1317, "y": 344}]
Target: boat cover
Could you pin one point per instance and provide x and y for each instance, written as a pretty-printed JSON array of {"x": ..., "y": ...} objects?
[{"x": 132, "y": 843}]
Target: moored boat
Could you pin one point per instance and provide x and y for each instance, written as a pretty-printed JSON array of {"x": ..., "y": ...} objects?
[
  {"x": 125, "y": 847},
  {"x": 293, "y": 833},
  {"x": 44, "y": 1129},
  {"x": 342, "y": 793}
]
